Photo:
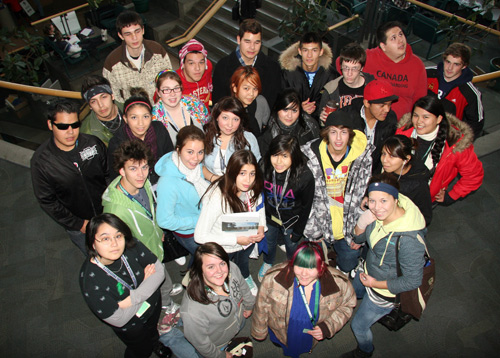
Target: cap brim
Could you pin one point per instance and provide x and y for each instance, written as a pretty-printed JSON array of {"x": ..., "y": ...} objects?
[{"x": 385, "y": 99}]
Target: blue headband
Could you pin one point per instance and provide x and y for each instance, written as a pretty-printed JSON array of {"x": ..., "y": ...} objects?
[{"x": 386, "y": 188}]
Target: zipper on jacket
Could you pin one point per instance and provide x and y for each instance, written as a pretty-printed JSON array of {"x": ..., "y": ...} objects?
[{"x": 85, "y": 186}]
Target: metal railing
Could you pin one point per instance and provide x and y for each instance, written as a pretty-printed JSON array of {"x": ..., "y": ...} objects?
[
  {"x": 58, "y": 14},
  {"x": 201, "y": 21}
]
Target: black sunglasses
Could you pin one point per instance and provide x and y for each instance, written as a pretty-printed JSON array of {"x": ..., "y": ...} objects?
[{"x": 65, "y": 126}]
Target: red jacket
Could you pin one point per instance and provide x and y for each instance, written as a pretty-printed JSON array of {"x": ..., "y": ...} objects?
[
  {"x": 457, "y": 158},
  {"x": 465, "y": 99},
  {"x": 201, "y": 89},
  {"x": 408, "y": 77}
]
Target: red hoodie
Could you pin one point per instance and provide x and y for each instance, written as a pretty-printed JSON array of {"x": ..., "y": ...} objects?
[
  {"x": 408, "y": 77},
  {"x": 201, "y": 89}
]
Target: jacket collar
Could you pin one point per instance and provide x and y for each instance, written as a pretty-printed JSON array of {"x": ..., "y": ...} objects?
[
  {"x": 328, "y": 285},
  {"x": 290, "y": 59}
]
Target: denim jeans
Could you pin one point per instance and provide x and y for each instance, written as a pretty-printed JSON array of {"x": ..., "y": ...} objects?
[
  {"x": 189, "y": 244},
  {"x": 174, "y": 339},
  {"x": 347, "y": 258},
  {"x": 273, "y": 236},
  {"x": 78, "y": 238},
  {"x": 367, "y": 314},
  {"x": 240, "y": 258}
]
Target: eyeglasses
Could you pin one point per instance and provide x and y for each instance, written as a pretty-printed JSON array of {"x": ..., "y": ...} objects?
[
  {"x": 65, "y": 126},
  {"x": 170, "y": 90},
  {"x": 107, "y": 239},
  {"x": 351, "y": 69}
]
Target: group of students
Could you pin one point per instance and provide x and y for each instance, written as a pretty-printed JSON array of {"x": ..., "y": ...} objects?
[{"x": 176, "y": 167}]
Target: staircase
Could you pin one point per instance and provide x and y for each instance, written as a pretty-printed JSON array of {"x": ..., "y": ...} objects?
[{"x": 219, "y": 34}]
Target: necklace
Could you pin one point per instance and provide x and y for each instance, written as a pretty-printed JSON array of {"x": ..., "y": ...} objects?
[{"x": 121, "y": 265}]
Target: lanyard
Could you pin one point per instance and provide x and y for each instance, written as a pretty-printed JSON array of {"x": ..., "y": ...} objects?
[
  {"x": 249, "y": 205},
  {"x": 222, "y": 160},
  {"x": 314, "y": 318},
  {"x": 283, "y": 190},
  {"x": 171, "y": 120},
  {"x": 135, "y": 201},
  {"x": 113, "y": 275}
]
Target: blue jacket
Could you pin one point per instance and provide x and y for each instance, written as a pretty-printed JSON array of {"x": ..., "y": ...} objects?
[
  {"x": 177, "y": 208},
  {"x": 252, "y": 141}
]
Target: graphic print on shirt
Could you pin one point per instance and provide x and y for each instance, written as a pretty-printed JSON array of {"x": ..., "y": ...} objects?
[{"x": 287, "y": 201}]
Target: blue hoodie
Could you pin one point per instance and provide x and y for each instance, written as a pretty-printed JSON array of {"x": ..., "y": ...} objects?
[{"x": 177, "y": 208}]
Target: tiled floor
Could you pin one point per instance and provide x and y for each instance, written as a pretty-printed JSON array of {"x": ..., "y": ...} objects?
[{"x": 44, "y": 314}]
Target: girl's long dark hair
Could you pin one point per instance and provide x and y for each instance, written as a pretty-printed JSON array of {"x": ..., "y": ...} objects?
[
  {"x": 212, "y": 130},
  {"x": 196, "y": 288},
  {"x": 434, "y": 106},
  {"x": 227, "y": 182},
  {"x": 285, "y": 143}
]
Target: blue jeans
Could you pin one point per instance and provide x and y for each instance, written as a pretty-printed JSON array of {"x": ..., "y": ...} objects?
[
  {"x": 174, "y": 339},
  {"x": 240, "y": 258},
  {"x": 273, "y": 236},
  {"x": 347, "y": 258},
  {"x": 367, "y": 314},
  {"x": 78, "y": 238},
  {"x": 189, "y": 244}
]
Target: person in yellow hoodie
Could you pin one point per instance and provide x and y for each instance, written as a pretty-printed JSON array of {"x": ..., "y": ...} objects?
[
  {"x": 341, "y": 164},
  {"x": 392, "y": 218}
]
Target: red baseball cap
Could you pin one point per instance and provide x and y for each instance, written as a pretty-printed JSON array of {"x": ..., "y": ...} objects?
[{"x": 379, "y": 91}]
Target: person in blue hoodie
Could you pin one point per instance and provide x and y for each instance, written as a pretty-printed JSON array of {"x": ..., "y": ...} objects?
[
  {"x": 181, "y": 185},
  {"x": 392, "y": 218}
]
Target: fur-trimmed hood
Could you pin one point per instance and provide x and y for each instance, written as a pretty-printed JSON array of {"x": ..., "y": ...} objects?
[
  {"x": 461, "y": 130},
  {"x": 290, "y": 59}
]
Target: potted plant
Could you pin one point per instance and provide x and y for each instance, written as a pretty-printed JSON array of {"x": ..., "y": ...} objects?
[{"x": 25, "y": 66}]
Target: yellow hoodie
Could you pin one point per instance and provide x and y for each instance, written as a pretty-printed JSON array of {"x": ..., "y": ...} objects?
[{"x": 336, "y": 180}]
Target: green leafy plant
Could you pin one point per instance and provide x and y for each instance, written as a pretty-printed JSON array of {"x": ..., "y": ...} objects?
[
  {"x": 305, "y": 16},
  {"x": 25, "y": 66}
]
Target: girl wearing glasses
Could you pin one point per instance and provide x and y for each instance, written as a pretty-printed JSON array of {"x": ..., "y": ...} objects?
[
  {"x": 120, "y": 282},
  {"x": 224, "y": 134},
  {"x": 302, "y": 302},
  {"x": 174, "y": 109},
  {"x": 139, "y": 125}
]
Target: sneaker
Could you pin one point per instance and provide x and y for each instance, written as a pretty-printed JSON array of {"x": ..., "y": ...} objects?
[
  {"x": 181, "y": 261},
  {"x": 173, "y": 308},
  {"x": 263, "y": 269},
  {"x": 282, "y": 248},
  {"x": 176, "y": 289},
  {"x": 252, "y": 285},
  {"x": 357, "y": 353}
]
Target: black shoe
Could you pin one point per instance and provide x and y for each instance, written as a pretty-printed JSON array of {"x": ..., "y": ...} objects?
[
  {"x": 163, "y": 351},
  {"x": 357, "y": 353}
]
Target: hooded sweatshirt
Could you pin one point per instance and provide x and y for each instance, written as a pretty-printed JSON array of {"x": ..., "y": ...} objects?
[
  {"x": 201, "y": 89},
  {"x": 144, "y": 228},
  {"x": 381, "y": 259},
  {"x": 408, "y": 76},
  {"x": 178, "y": 208}
]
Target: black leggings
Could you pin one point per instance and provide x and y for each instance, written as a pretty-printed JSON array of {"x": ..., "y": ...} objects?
[{"x": 142, "y": 338}]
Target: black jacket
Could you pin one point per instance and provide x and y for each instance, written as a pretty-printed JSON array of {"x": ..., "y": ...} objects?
[
  {"x": 269, "y": 72},
  {"x": 414, "y": 185},
  {"x": 163, "y": 142},
  {"x": 69, "y": 185},
  {"x": 306, "y": 129},
  {"x": 295, "y": 77},
  {"x": 296, "y": 203},
  {"x": 383, "y": 130}
]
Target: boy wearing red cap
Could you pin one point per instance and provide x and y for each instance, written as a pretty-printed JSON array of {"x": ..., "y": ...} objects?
[
  {"x": 373, "y": 115},
  {"x": 196, "y": 71}
]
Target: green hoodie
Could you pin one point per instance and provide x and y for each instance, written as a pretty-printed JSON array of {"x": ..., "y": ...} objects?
[
  {"x": 143, "y": 228},
  {"x": 92, "y": 125}
]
